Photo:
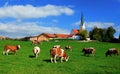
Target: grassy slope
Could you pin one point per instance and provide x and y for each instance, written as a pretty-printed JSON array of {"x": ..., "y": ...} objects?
[{"x": 77, "y": 64}]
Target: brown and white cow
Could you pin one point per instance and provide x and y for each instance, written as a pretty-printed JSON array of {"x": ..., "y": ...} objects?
[
  {"x": 34, "y": 42},
  {"x": 88, "y": 51},
  {"x": 11, "y": 48},
  {"x": 36, "y": 51},
  {"x": 111, "y": 51},
  {"x": 68, "y": 48},
  {"x": 58, "y": 52}
]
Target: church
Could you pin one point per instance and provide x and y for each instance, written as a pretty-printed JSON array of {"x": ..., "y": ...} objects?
[{"x": 75, "y": 32}]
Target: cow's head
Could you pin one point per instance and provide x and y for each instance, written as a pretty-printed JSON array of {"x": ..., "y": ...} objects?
[
  {"x": 18, "y": 46},
  {"x": 68, "y": 47},
  {"x": 66, "y": 58},
  {"x": 83, "y": 50}
]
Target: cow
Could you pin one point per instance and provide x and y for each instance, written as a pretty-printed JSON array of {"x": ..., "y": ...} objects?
[
  {"x": 68, "y": 48},
  {"x": 58, "y": 52},
  {"x": 88, "y": 51},
  {"x": 34, "y": 42},
  {"x": 11, "y": 48},
  {"x": 56, "y": 46},
  {"x": 36, "y": 51},
  {"x": 111, "y": 51}
]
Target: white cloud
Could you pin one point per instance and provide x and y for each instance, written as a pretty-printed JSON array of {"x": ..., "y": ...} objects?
[
  {"x": 95, "y": 24},
  {"x": 15, "y": 30},
  {"x": 99, "y": 24},
  {"x": 117, "y": 28},
  {"x": 29, "y": 11}
]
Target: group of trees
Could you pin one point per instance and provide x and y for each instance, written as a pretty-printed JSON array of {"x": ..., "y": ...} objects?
[
  {"x": 105, "y": 35},
  {"x": 100, "y": 34}
]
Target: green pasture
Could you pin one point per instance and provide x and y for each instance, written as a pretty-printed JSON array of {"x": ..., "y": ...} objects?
[{"x": 24, "y": 63}]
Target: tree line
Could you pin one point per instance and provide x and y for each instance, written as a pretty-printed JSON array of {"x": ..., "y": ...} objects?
[{"x": 100, "y": 34}]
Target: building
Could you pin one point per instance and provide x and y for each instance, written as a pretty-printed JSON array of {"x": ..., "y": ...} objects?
[
  {"x": 75, "y": 32},
  {"x": 45, "y": 37},
  {"x": 2, "y": 38}
]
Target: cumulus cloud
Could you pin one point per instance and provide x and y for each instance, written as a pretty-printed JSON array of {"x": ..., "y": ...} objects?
[
  {"x": 29, "y": 11},
  {"x": 15, "y": 30}
]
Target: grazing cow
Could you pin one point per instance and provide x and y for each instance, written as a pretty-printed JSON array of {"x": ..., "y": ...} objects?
[
  {"x": 12, "y": 48},
  {"x": 36, "y": 51},
  {"x": 88, "y": 51},
  {"x": 56, "y": 46},
  {"x": 34, "y": 42},
  {"x": 68, "y": 48},
  {"x": 58, "y": 52},
  {"x": 112, "y": 51}
]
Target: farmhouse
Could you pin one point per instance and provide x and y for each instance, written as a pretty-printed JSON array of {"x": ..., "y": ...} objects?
[
  {"x": 2, "y": 38},
  {"x": 45, "y": 37}
]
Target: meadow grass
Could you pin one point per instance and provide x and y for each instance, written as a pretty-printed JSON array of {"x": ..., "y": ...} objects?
[{"x": 23, "y": 63}]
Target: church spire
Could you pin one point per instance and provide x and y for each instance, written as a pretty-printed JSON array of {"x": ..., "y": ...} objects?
[
  {"x": 82, "y": 19},
  {"x": 82, "y": 26}
]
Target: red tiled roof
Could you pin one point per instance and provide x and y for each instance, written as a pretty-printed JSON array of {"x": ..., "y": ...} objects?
[
  {"x": 62, "y": 35},
  {"x": 56, "y": 35},
  {"x": 75, "y": 31},
  {"x": 48, "y": 35}
]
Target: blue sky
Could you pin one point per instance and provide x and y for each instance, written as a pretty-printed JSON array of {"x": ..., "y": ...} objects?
[{"x": 21, "y": 18}]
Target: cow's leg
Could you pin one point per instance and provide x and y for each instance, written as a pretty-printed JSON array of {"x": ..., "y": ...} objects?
[
  {"x": 36, "y": 55},
  {"x": 110, "y": 55},
  {"x": 84, "y": 54},
  {"x": 3, "y": 52},
  {"x": 14, "y": 52},
  {"x": 55, "y": 59},
  {"x": 7, "y": 52},
  {"x": 92, "y": 53},
  {"x": 117, "y": 54},
  {"x": 61, "y": 59},
  {"x": 51, "y": 59}
]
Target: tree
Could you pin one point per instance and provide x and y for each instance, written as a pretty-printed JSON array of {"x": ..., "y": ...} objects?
[
  {"x": 119, "y": 36},
  {"x": 95, "y": 34},
  {"x": 110, "y": 33},
  {"x": 83, "y": 34}
]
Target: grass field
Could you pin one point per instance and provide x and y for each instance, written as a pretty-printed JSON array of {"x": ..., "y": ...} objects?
[{"x": 22, "y": 63}]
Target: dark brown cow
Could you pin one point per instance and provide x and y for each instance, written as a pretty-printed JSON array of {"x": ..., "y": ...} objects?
[
  {"x": 88, "y": 51},
  {"x": 58, "y": 52},
  {"x": 111, "y": 51},
  {"x": 12, "y": 48}
]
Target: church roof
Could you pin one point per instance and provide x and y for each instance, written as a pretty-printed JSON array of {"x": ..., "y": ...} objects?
[{"x": 75, "y": 31}]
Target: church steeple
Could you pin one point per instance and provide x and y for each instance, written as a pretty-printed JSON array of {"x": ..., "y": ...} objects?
[{"x": 82, "y": 26}]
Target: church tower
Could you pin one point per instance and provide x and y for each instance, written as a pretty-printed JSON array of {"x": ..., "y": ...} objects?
[{"x": 82, "y": 25}]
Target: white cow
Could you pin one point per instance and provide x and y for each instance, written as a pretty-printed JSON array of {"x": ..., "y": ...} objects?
[{"x": 36, "y": 51}]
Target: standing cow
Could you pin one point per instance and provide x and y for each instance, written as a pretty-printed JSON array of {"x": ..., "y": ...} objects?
[
  {"x": 111, "y": 51},
  {"x": 58, "y": 52},
  {"x": 11, "y": 48},
  {"x": 36, "y": 51},
  {"x": 88, "y": 51}
]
